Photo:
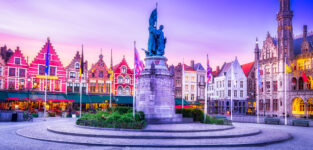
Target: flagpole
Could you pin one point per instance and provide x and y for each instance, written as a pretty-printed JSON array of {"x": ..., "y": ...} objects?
[
  {"x": 231, "y": 92},
  {"x": 80, "y": 98},
  {"x": 44, "y": 113},
  {"x": 183, "y": 90},
  {"x": 110, "y": 93},
  {"x": 134, "y": 80},
  {"x": 258, "y": 96},
  {"x": 206, "y": 90},
  {"x": 285, "y": 90}
]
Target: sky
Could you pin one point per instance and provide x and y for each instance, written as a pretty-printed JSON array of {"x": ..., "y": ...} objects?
[{"x": 223, "y": 29}]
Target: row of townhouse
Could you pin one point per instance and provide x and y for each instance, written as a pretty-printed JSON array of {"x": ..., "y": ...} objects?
[{"x": 17, "y": 74}]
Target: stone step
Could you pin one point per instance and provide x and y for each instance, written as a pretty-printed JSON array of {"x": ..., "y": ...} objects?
[
  {"x": 268, "y": 136},
  {"x": 76, "y": 131}
]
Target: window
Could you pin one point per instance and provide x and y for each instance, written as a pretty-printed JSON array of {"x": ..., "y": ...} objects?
[
  {"x": 261, "y": 105},
  {"x": 241, "y": 93},
  {"x": 119, "y": 90},
  {"x": 275, "y": 104},
  {"x": 119, "y": 79},
  {"x": 186, "y": 78},
  {"x": 76, "y": 87},
  {"x": 235, "y": 93},
  {"x": 52, "y": 71},
  {"x": 127, "y": 90},
  {"x": 93, "y": 75},
  {"x": 57, "y": 85},
  {"x": 41, "y": 70},
  {"x": 268, "y": 86},
  {"x": 192, "y": 97},
  {"x": 186, "y": 87},
  {"x": 192, "y": 78},
  {"x": 11, "y": 84},
  {"x": 22, "y": 73},
  {"x": 229, "y": 83},
  {"x": 123, "y": 69},
  {"x": 12, "y": 72},
  {"x": 100, "y": 74},
  {"x": 268, "y": 105},
  {"x": 0, "y": 71},
  {"x": 92, "y": 87},
  {"x": 1, "y": 84},
  {"x": 72, "y": 74},
  {"x": 127, "y": 80},
  {"x": 35, "y": 83},
  {"x": 241, "y": 84},
  {"x": 192, "y": 88},
  {"x": 77, "y": 66},
  {"x": 275, "y": 86},
  {"x": 21, "y": 84},
  {"x": 229, "y": 93},
  {"x": 17, "y": 61},
  {"x": 100, "y": 87},
  {"x": 107, "y": 88},
  {"x": 69, "y": 87}
]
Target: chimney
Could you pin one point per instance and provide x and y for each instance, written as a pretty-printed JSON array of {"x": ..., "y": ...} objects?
[
  {"x": 217, "y": 69},
  {"x": 192, "y": 64},
  {"x": 305, "y": 31}
]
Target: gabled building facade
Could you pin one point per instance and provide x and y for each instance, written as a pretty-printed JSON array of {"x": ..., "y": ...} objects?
[
  {"x": 56, "y": 80},
  {"x": 99, "y": 78},
  {"x": 201, "y": 76},
  {"x": 123, "y": 79},
  {"x": 2, "y": 75},
  {"x": 73, "y": 78},
  {"x": 16, "y": 72},
  {"x": 249, "y": 71},
  {"x": 224, "y": 86}
]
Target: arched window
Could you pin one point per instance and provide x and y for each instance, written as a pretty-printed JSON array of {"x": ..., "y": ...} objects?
[
  {"x": 127, "y": 80},
  {"x": 300, "y": 83},
  {"x": 119, "y": 79},
  {"x": 309, "y": 82},
  {"x": 127, "y": 90},
  {"x": 119, "y": 90},
  {"x": 77, "y": 65},
  {"x": 294, "y": 83}
]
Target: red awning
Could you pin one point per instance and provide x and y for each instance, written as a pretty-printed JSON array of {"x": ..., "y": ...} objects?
[{"x": 185, "y": 106}]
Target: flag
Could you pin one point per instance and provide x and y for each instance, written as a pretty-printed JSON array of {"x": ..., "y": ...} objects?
[
  {"x": 209, "y": 72},
  {"x": 47, "y": 59},
  {"x": 138, "y": 63},
  {"x": 305, "y": 78},
  {"x": 259, "y": 78},
  {"x": 81, "y": 69},
  {"x": 288, "y": 68}
]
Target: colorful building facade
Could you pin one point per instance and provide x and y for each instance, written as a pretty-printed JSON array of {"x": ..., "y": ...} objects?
[
  {"x": 2, "y": 76},
  {"x": 99, "y": 78},
  {"x": 57, "y": 75},
  {"x": 123, "y": 79},
  {"x": 72, "y": 75},
  {"x": 16, "y": 72}
]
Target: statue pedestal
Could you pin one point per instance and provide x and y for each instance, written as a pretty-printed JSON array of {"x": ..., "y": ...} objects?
[{"x": 155, "y": 92}]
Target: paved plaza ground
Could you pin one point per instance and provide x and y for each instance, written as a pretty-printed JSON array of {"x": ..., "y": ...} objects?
[{"x": 302, "y": 137}]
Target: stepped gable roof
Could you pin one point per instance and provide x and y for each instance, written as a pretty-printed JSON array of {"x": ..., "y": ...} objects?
[
  {"x": 298, "y": 41},
  {"x": 123, "y": 62},
  {"x": 17, "y": 53},
  {"x": 198, "y": 66},
  {"x": 75, "y": 59},
  {"x": 246, "y": 68},
  {"x": 225, "y": 68},
  {"x": 188, "y": 68}
]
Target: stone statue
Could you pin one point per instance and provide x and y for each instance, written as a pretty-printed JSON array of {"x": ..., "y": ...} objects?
[{"x": 157, "y": 41}]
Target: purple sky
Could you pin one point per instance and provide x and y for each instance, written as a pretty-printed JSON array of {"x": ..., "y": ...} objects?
[{"x": 222, "y": 29}]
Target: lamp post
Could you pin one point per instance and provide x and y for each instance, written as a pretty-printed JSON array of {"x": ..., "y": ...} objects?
[{"x": 28, "y": 80}]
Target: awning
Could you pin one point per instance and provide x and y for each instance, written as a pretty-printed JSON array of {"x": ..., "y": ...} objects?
[
  {"x": 32, "y": 96},
  {"x": 178, "y": 101},
  {"x": 124, "y": 100},
  {"x": 185, "y": 106},
  {"x": 89, "y": 98}
]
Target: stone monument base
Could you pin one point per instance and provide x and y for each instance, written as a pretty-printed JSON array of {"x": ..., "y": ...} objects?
[{"x": 155, "y": 93}]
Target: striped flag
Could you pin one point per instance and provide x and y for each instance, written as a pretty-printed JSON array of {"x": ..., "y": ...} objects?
[
  {"x": 47, "y": 59},
  {"x": 209, "y": 71},
  {"x": 138, "y": 64},
  {"x": 81, "y": 69}
]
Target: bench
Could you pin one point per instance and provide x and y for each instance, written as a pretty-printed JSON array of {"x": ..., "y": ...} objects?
[
  {"x": 300, "y": 122},
  {"x": 271, "y": 120}
]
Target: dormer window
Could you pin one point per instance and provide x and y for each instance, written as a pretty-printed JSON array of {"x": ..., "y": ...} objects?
[
  {"x": 17, "y": 61},
  {"x": 123, "y": 69},
  {"x": 77, "y": 65}
]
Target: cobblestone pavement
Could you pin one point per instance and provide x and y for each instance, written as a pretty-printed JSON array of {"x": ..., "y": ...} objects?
[{"x": 303, "y": 137}]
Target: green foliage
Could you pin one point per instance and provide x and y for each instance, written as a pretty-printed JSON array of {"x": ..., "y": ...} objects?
[
  {"x": 121, "y": 117},
  {"x": 196, "y": 114},
  {"x": 218, "y": 121}
]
